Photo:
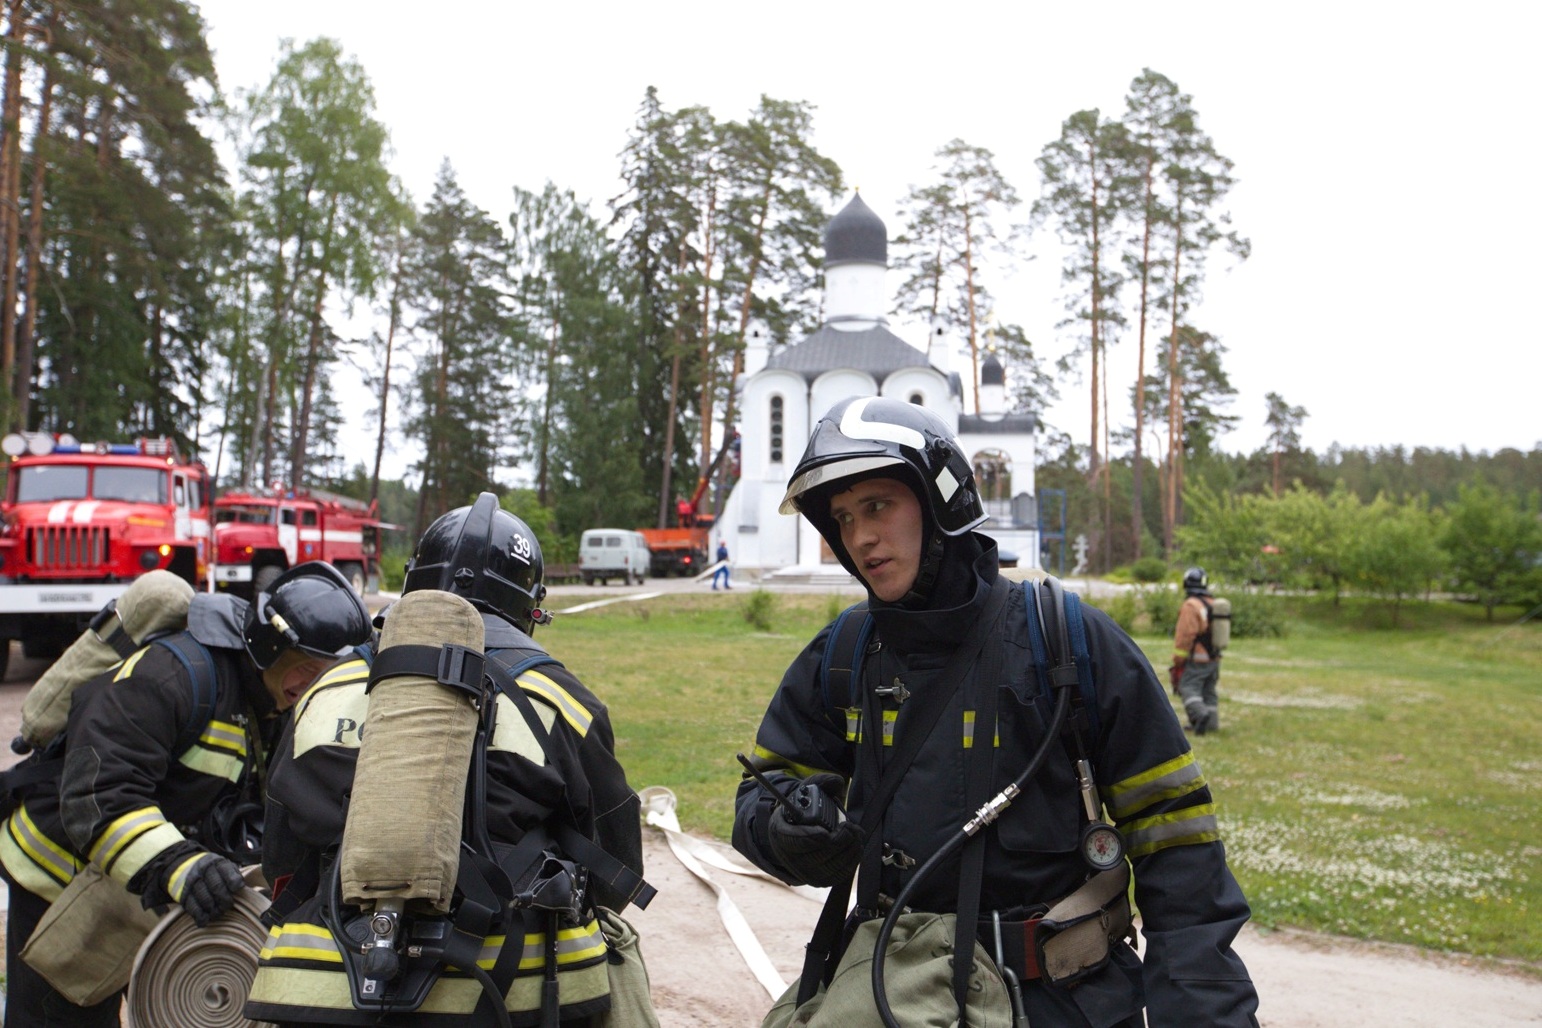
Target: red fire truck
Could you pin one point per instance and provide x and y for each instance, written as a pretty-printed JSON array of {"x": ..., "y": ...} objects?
[
  {"x": 260, "y": 533},
  {"x": 81, "y": 521}
]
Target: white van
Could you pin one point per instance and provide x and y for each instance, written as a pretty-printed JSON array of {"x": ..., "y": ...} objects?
[{"x": 605, "y": 553}]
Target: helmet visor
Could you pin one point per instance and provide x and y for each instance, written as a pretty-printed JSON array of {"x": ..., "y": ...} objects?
[{"x": 815, "y": 477}]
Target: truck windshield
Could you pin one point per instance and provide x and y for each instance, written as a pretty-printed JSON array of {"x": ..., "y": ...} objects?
[
  {"x": 131, "y": 485},
  {"x": 43, "y": 482},
  {"x": 245, "y": 515}
]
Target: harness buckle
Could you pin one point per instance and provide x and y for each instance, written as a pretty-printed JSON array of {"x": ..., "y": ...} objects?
[
  {"x": 897, "y": 858},
  {"x": 898, "y": 691}
]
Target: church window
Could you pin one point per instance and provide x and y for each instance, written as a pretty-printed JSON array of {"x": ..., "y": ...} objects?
[
  {"x": 993, "y": 476},
  {"x": 918, "y": 399},
  {"x": 776, "y": 430}
]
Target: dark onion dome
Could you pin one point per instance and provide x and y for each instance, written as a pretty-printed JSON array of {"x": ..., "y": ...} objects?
[
  {"x": 991, "y": 373},
  {"x": 856, "y": 234}
]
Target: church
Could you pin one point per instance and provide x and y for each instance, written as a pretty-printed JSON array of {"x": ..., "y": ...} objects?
[{"x": 785, "y": 391}]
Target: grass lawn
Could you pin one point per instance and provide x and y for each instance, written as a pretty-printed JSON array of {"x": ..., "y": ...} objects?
[{"x": 1373, "y": 782}]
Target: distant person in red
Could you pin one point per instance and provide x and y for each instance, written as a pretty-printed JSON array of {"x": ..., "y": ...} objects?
[{"x": 684, "y": 513}]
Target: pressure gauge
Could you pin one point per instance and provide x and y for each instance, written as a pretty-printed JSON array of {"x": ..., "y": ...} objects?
[{"x": 1102, "y": 846}]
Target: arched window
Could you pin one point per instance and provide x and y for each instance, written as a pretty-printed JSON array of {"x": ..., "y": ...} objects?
[
  {"x": 993, "y": 476},
  {"x": 776, "y": 429},
  {"x": 918, "y": 399}
]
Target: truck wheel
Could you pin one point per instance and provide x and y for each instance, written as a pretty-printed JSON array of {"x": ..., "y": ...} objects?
[
  {"x": 355, "y": 575},
  {"x": 263, "y": 577}
]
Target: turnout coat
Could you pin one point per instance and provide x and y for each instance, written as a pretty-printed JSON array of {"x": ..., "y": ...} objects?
[{"x": 1149, "y": 782}]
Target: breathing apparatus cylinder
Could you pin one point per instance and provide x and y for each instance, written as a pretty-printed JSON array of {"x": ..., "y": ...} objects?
[
  {"x": 401, "y": 841},
  {"x": 1220, "y": 623},
  {"x": 156, "y": 602}
]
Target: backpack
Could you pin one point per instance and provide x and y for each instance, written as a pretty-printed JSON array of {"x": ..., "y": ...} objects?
[
  {"x": 156, "y": 608},
  {"x": 1217, "y": 634}
]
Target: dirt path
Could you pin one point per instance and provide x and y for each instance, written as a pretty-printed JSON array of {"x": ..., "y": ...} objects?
[{"x": 1304, "y": 981}]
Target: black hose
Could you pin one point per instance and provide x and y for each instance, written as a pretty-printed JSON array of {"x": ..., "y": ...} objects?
[{"x": 880, "y": 994}]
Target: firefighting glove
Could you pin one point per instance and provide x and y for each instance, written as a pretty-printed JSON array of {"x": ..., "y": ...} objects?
[
  {"x": 1175, "y": 673},
  {"x": 205, "y": 885},
  {"x": 811, "y": 836}
]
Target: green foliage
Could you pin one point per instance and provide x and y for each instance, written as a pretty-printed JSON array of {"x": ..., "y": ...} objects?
[
  {"x": 759, "y": 607},
  {"x": 1149, "y": 569},
  {"x": 1495, "y": 547},
  {"x": 1255, "y": 616},
  {"x": 1123, "y": 606},
  {"x": 526, "y": 505},
  {"x": 1396, "y": 556},
  {"x": 1161, "y": 607}
]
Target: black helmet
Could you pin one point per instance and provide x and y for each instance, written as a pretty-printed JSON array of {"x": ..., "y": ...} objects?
[
  {"x": 1195, "y": 580},
  {"x": 312, "y": 608},
  {"x": 486, "y": 555},
  {"x": 868, "y": 433}
]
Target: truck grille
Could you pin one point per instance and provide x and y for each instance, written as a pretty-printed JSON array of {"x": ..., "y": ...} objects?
[{"x": 67, "y": 547}]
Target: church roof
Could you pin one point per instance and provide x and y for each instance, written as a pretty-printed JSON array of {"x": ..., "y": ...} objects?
[
  {"x": 1007, "y": 424},
  {"x": 991, "y": 371},
  {"x": 856, "y": 234},
  {"x": 876, "y": 351}
]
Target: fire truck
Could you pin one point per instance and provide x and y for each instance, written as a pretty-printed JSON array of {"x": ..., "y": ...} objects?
[
  {"x": 79, "y": 522},
  {"x": 260, "y": 533}
]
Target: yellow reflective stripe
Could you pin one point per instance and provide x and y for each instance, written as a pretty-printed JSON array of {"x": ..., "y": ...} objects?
[
  {"x": 123, "y": 831},
  {"x": 41, "y": 852},
  {"x": 889, "y": 717},
  {"x": 853, "y": 724},
  {"x": 25, "y": 871},
  {"x": 127, "y": 667},
  {"x": 301, "y": 988},
  {"x": 141, "y": 851},
  {"x": 768, "y": 760},
  {"x": 1168, "y": 780},
  {"x": 1186, "y": 827},
  {"x": 512, "y": 734},
  {"x": 352, "y": 670},
  {"x": 968, "y": 729},
  {"x": 573, "y": 712},
  {"x": 222, "y": 735},
  {"x": 301, "y": 942},
  {"x": 177, "y": 884},
  {"x": 215, "y": 765}
]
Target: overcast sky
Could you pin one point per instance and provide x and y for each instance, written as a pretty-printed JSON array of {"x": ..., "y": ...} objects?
[{"x": 1384, "y": 154}]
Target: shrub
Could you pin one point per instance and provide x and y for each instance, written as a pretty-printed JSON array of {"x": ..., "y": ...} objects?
[
  {"x": 758, "y": 609},
  {"x": 1255, "y": 617},
  {"x": 1149, "y": 569},
  {"x": 1123, "y": 607},
  {"x": 1162, "y": 608}
]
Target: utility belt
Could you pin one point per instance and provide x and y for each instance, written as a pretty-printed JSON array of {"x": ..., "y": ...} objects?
[{"x": 1058, "y": 943}]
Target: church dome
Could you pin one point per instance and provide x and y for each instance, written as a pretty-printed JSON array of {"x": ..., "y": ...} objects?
[
  {"x": 856, "y": 234},
  {"x": 991, "y": 372}
]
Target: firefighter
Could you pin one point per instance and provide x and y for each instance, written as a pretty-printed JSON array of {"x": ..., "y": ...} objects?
[
  {"x": 157, "y": 773},
  {"x": 491, "y": 558},
  {"x": 1196, "y": 667},
  {"x": 888, "y": 487}
]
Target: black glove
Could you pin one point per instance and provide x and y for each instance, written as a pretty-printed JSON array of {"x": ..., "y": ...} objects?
[
  {"x": 823, "y": 853},
  {"x": 208, "y": 887}
]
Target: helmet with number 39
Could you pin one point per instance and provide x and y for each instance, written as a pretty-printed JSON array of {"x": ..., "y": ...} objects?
[{"x": 487, "y": 556}]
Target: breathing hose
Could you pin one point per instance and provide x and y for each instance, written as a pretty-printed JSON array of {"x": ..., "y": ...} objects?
[{"x": 992, "y": 809}]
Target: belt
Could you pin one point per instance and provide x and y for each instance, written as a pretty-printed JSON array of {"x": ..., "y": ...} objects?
[{"x": 1071, "y": 939}]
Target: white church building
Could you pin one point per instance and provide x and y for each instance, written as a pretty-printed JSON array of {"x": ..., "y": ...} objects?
[{"x": 783, "y": 393}]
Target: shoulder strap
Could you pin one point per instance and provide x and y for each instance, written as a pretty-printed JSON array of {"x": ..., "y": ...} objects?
[
  {"x": 840, "y": 670},
  {"x": 1057, "y": 632},
  {"x": 199, "y": 662}
]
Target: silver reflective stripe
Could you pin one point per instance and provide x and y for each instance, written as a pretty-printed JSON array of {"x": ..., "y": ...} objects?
[
  {"x": 1167, "y": 781},
  {"x": 1179, "y": 828}
]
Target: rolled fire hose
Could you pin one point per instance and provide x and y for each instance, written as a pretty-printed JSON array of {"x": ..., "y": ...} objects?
[
  {"x": 186, "y": 975},
  {"x": 156, "y": 602},
  {"x": 402, "y": 837}
]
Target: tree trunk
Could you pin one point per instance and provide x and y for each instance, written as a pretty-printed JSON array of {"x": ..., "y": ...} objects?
[
  {"x": 673, "y": 406},
  {"x": 26, "y": 348},
  {"x": 10, "y": 197},
  {"x": 1137, "y": 466},
  {"x": 974, "y": 348},
  {"x": 385, "y": 377},
  {"x": 1174, "y": 394}
]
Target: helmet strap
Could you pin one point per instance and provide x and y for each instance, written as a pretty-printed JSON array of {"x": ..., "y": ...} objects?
[{"x": 926, "y": 574}]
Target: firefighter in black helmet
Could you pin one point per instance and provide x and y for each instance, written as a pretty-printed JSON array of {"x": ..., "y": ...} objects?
[
  {"x": 891, "y": 490},
  {"x": 1196, "y": 668},
  {"x": 158, "y": 764},
  {"x": 490, "y": 558}
]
